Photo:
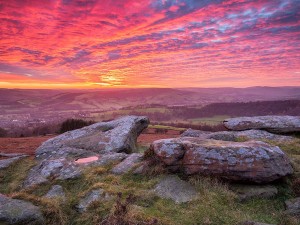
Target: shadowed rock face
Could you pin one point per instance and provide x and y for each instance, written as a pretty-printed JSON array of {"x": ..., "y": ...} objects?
[
  {"x": 273, "y": 124},
  {"x": 252, "y": 161},
  {"x": 119, "y": 135}
]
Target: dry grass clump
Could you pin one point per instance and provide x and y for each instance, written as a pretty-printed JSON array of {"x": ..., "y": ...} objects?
[{"x": 121, "y": 215}]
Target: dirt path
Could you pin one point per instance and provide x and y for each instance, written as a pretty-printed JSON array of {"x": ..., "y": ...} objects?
[{"x": 29, "y": 144}]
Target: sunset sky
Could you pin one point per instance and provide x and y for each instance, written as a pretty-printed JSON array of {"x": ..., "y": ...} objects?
[{"x": 149, "y": 43}]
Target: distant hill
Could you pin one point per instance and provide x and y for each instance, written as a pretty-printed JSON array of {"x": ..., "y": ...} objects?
[
  {"x": 236, "y": 109},
  {"x": 61, "y": 100}
]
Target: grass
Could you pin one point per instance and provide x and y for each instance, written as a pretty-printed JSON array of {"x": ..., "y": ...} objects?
[
  {"x": 166, "y": 127},
  {"x": 11, "y": 178},
  {"x": 216, "y": 205}
]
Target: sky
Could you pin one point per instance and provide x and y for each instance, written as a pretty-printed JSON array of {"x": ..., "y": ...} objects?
[{"x": 149, "y": 43}]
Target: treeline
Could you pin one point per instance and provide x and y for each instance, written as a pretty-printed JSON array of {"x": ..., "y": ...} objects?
[
  {"x": 73, "y": 124},
  {"x": 260, "y": 108},
  {"x": 263, "y": 108}
]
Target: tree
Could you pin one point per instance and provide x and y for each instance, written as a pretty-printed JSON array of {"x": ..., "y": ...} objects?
[
  {"x": 73, "y": 124},
  {"x": 3, "y": 132}
]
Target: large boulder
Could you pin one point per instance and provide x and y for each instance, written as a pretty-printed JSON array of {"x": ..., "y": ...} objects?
[
  {"x": 14, "y": 211},
  {"x": 237, "y": 135},
  {"x": 118, "y": 135},
  {"x": 273, "y": 124},
  {"x": 65, "y": 156},
  {"x": 252, "y": 161},
  {"x": 172, "y": 187}
]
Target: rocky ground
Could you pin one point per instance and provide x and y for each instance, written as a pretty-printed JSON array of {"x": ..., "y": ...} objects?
[{"x": 110, "y": 173}]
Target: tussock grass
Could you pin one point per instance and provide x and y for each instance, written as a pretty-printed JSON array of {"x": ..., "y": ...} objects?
[{"x": 11, "y": 179}]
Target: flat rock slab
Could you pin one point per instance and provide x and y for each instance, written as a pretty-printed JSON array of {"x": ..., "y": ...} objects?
[
  {"x": 56, "y": 191},
  {"x": 115, "y": 136},
  {"x": 293, "y": 207},
  {"x": 172, "y": 187},
  {"x": 64, "y": 169},
  {"x": 4, "y": 163},
  {"x": 251, "y": 161},
  {"x": 14, "y": 211},
  {"x": 246, "y": 192},
  {"x": 129, "y": 163},
  {"x": 237, "y": 135},
  {"x": 273, "y": 124},
  {"x": 92, "y": 196}
]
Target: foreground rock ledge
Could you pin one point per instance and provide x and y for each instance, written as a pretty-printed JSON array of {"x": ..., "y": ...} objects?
[
  {"x": 252, "y": 161},
  {"x": 273, "y": 124},
  {"x": 118, "y": 135}
]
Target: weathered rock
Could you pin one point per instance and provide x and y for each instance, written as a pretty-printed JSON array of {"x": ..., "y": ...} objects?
[
  {"x": 293, "y": 207},
  {"x": 56, "y": 191},
  {"x": 94, "y": 195},
  {"x": 4, "y": 163},
  {"x": 111, "y": 158},
  {"x": 237, "y": 135},
  {"x": 252, "y": 161},
  {"x": 63, "y": 169},
  {"x": 274, "y": 124},
  {"x": 105, "y": 137},
  {"x": 65, "y": 156},
  {"x": 14, "y": 211},
  {"x": 172, "y": 187},
  {"x": 246, "y": 192},
  {"x": 127, "y": 164}
]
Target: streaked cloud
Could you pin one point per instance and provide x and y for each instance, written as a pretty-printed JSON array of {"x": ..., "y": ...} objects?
[{"x": 163, "y": 43}]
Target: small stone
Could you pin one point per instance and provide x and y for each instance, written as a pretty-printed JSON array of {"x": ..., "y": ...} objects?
[
  {"x": 14, "y": 211},
  {"x": 293, "y": 207},
  {"x": 92, "y": 196},
  {"x": 172, "y": 187},
  {"x": 56, "y": 191},
  {"x": 127, "y": 164}
]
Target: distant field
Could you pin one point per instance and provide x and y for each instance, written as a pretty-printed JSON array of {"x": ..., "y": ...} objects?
[
  {"x": 209, "y": 120},
  {"x": 166, "y": 127}
]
